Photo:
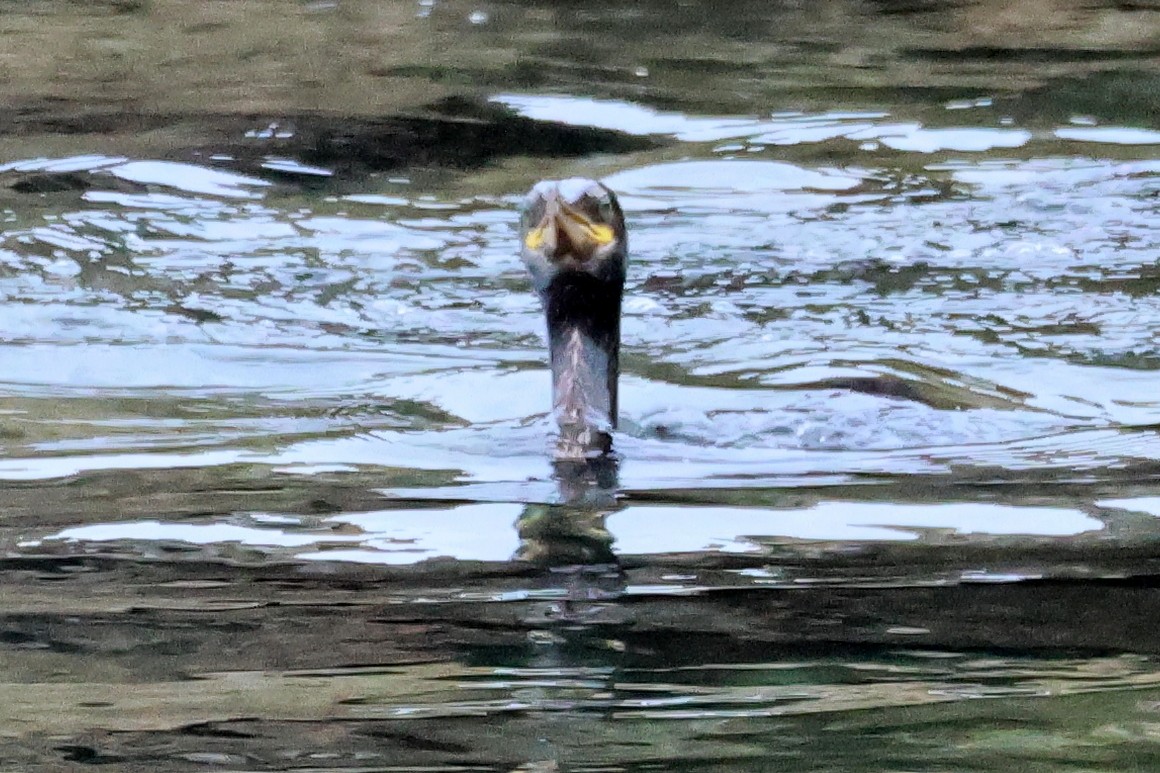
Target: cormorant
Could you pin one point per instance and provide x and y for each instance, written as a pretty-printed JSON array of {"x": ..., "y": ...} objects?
[{"x": 573, "y": 243}]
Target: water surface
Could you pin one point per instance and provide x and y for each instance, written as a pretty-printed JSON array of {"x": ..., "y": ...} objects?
[{"x": 275, "y": 470}]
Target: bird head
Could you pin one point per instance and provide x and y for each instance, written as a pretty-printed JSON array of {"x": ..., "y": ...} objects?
[{"x": 572, "y": 226}]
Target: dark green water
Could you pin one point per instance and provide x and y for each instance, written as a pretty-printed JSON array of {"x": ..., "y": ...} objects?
[{"x": 274, "y": 451}]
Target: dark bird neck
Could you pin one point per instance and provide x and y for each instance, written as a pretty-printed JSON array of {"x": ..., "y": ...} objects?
[{"x": 583, "y": 314}]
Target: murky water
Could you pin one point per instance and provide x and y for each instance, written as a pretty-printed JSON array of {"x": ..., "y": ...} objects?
[{"x": 275, "y": 468}]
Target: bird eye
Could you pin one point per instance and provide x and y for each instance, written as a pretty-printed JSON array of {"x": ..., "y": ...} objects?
[
  {"x": 606, "y": 210},
  {"x": 530, "y": 213}
]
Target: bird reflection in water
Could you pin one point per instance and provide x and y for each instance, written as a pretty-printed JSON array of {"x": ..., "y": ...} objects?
[{"x": 572, "y": 532}]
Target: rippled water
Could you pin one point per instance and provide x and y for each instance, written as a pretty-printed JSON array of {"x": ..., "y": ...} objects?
[{"x": 275, "y": 463}]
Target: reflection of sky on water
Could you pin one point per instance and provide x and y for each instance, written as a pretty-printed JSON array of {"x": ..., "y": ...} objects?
[
  {"x": 187, "y": 177},
  {"x": 729, "y": 186},
  {"x": 482, "y": 532},
  {"x": 917, "y": 139},
  {"x": 1148, "y": 505},
  {"x": 1116, "y": 135},
  {"x": 290, "y": 166},
  {"x": 487, "y": 532},
  {"x": 873, "y": 128},
  {"x": 628, "y": 117},
  {"x": 63, "y": 165},
  {"x": 643, "y": 529}
]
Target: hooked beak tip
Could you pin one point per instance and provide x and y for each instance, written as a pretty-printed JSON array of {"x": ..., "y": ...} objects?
[{"x": 553, "y": 236}]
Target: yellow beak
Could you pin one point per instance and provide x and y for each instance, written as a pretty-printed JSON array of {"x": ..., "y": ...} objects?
[{"x": 565, "y": 231}]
